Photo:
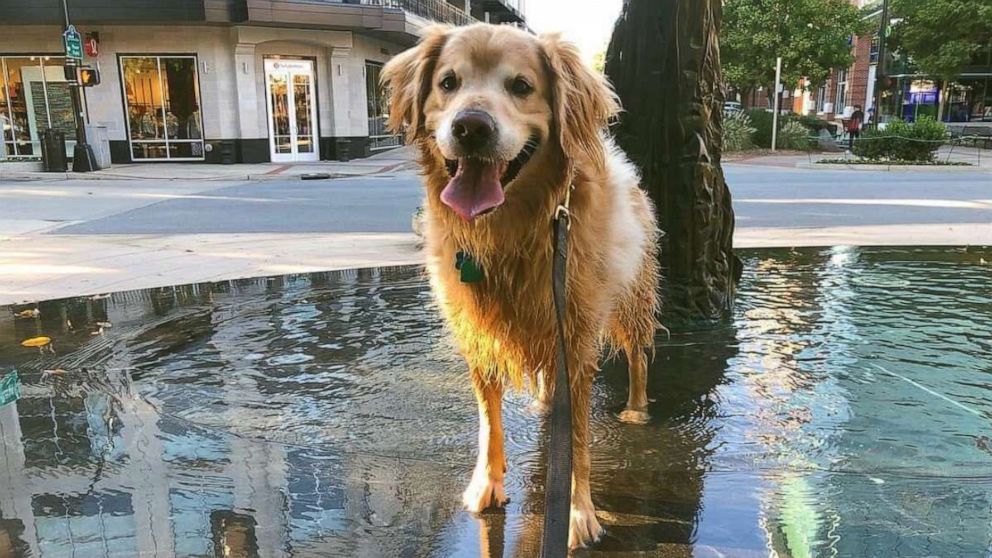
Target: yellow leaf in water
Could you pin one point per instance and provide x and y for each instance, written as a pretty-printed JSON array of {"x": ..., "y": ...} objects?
[
  {"x": 32, "y": 313},
  {"x": 36, "y": 342}
]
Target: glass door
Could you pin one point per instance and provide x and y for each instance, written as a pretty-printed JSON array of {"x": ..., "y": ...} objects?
[{"x": 290, "y": 99}]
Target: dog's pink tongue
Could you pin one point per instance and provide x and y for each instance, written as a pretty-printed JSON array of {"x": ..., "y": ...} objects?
[{"x": 475, "y": 188}]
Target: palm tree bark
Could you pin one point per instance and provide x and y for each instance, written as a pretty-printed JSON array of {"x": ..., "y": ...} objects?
[{"x": 664, "y": 60}]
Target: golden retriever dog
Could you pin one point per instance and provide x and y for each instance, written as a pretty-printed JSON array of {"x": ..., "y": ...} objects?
[{"x": 505, "y": 123}]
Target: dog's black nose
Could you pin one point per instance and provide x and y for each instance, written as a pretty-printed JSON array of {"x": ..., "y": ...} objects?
[{"x": 473, "y": 128}]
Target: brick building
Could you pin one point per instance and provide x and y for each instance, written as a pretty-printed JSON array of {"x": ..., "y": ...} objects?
[{"x": 909, "y": 93}]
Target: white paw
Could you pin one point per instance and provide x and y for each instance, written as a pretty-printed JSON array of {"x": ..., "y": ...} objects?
[
  {"x": 583, "y": 527},
  {"x": 483, "y": 492},
  {"x": 632, "y": 416}
]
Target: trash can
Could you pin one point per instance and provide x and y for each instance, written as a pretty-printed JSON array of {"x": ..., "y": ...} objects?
[
  {"x": 226, "y": 152},
  {"x": 96, "y": 136},
  {"x": 53, "y": 157},
  {"x": 341, "y": 149}
]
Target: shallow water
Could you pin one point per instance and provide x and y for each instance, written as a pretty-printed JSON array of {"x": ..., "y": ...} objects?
[{"x": 844, "y": 412}]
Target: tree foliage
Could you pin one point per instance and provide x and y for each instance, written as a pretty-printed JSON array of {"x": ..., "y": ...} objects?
[
  {"x": 941, "y": 36},
  {"x": 811, "y": 36},
  {"x": 599, "y": 61}
]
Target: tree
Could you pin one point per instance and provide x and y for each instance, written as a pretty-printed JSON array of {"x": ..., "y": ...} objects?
[
  {"x": 941, "y": 36},
  {"x": 812, "y": 37},
  {"x": 664, "y": 61},
  {"x": 599, "y": 61}
]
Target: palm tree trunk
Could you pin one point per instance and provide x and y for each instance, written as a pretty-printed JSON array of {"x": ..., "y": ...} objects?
[{"x": 664, "y": 60}]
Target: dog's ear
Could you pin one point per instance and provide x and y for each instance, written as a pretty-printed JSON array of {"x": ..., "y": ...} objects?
[
  {"x": 582, "y": 101},
  {"x": 407, "y": 78}
]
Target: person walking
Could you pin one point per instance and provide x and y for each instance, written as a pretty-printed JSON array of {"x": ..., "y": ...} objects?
[{"x": 854, "y": 126}]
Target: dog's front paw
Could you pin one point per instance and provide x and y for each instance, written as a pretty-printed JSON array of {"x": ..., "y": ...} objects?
[
  {"x": 583, "y": 527},
  {"x": 484, "y": 492},
  {"x": 634, "y": 416}
]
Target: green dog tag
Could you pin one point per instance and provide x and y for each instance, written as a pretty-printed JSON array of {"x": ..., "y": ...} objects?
[{"x": 470, "y": 270}]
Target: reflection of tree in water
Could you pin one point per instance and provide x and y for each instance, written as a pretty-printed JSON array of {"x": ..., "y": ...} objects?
[{"x": 647, "y": 481}]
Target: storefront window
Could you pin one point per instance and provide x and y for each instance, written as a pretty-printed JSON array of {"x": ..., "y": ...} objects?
[
  {"x": 34, "y": 96},
  {"x": 163, "y": 107}
]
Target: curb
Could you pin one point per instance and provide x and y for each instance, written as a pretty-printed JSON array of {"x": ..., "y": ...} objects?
[
  {"x": 38, "y": 175},
  {"x": 895, "y": 168}
]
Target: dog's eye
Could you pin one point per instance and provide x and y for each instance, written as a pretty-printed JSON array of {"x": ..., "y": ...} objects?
[
  {"x": 449, "y": 83},
  {"x": 520, "y": 87}
]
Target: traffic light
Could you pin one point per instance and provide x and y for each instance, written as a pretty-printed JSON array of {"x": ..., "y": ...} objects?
[{"x": 88, "y": 77}]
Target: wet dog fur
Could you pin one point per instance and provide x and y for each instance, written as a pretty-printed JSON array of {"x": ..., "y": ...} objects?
[{"x": 504, "y": 325}]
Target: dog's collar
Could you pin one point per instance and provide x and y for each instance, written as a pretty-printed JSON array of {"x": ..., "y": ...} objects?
[{"x": 470, "y": 270}]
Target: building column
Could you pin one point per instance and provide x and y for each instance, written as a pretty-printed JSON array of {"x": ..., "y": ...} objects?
[
  {"x": 340, "y": 91},
  {"x": 349, "y": 119},
  {"x": 15, "y": 486},
  {"x": 249, "y": 105},
  {"x": 147, "y": 474}
]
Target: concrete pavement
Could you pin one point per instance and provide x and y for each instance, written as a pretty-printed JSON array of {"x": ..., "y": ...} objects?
[
  {"x": 393, "y": 160},
  {"x": 78, "y": 237}
]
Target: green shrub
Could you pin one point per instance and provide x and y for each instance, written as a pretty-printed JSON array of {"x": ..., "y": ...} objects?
[
  {"x": 929, "y": 135},
  {"x": 761, "y": 120},
  {"x": 815, "y": 124},
  {"x": 874, "y": 145},
  {"x": 794, "y": 135},
  {"x": 903, "y": 141},
  {"x": 737, "y": 132}
]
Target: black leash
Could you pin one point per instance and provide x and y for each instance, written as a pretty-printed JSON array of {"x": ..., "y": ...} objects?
[{"x": 558, "y": 483}]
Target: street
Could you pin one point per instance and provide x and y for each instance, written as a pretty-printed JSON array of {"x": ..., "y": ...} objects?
[{"x": 64, "y": 237}]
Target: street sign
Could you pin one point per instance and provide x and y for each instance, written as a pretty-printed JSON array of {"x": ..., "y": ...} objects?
[{"x": 73, "y": 43}]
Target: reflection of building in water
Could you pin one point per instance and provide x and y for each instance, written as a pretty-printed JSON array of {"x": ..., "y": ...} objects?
[
  {"x": 91, "y": 468},
  {"x": 98, "y": 472}
]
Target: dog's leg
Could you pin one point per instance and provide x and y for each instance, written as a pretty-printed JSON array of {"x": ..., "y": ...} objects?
[
  {"x": 583, "y": 528},
  {"x": 486, "y": 487},
  {"x": 637, "y": 393}
]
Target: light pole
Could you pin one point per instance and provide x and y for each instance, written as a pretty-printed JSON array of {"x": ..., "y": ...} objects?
[
  {"x": 82, "y": 155},
  {"x": 883, "y": 28},
  {"x": 778, "y": 97}
]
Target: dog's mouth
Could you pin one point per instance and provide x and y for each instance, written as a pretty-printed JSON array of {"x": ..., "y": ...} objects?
[{"x": 477, "y": 185}]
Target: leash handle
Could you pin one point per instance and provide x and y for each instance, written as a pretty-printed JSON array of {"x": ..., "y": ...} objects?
[{"x": 558, "y": 482}]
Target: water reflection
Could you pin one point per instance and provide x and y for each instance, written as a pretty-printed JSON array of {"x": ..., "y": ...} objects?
[{"x": 327, "y": 415}]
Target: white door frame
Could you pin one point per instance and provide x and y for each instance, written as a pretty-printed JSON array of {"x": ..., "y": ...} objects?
[{"x": 291, "y": 68}]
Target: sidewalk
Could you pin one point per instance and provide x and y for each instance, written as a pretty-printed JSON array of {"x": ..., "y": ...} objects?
[
  {"x": 42, "y": 267},
  {"x": 389, "y": 161},
  {"x": 977, "y": 161},
  {"x": 40, "y": 259}
]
